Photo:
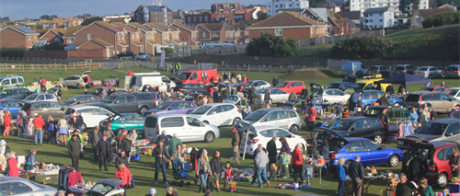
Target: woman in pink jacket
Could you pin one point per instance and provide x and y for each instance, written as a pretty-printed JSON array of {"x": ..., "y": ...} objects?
[
  {"x": 310, "y": 118},
  {"x": 7, "y": 123},
  {"x": 124, "y": 174}
]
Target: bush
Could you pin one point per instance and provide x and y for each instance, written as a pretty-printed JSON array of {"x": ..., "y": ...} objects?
[
  {"x": 12, "y": 52},
  {"x": 269, "y": 44},
  {"x": 368, "y": 47},
  {"x": 169, "y": 51},
  {"x": 442, "y": 19}
]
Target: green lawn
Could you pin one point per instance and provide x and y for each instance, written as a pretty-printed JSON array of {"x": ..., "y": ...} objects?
[{"x": 422, "y": 33}]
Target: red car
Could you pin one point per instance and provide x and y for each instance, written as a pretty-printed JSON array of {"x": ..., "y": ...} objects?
[
  {"x": 435, "y": 89},
  {"x": 437, "y": 158},
  {"x": 291, "y": 86}
]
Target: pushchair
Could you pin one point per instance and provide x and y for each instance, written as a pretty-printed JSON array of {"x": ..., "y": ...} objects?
[{"x": 178, "y": 172}]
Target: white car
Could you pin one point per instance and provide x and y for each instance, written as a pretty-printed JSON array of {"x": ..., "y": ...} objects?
[
  {"x": 218, "y": 114},
  {"x": 263, "y": 134},
  {"x": 455, "y": 92},
  {"x": 335, "y": 96},
  {"x": 428, "y": 72},
  {"x": 22, "y": 187},
  {"x": 276, "y": 96},
  {"x": 92, "y": 115},
  {"x": 187, "y": 127}
]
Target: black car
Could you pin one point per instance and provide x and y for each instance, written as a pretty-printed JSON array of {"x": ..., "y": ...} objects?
[
  {"x": 404, "y": 68},
  {"x": 14, "y": 93},
  {"x": 340, "y": 85},
  {"x": 128, "y": 102},
  {"x": 366, "y": 127},
  {"x": 374, "y": 111},
  {"x": 194, "y": 88},
  {"x": 380, "y": 69},
  {"x": 81, "y": 100},
  {"x": 126, "y": 55}
]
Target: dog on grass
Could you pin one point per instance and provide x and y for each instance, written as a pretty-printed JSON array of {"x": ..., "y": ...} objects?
[{"x": 273, "y": 171}]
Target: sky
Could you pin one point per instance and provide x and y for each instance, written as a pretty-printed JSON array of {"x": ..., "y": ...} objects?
[{"x": 20, "y": 9}]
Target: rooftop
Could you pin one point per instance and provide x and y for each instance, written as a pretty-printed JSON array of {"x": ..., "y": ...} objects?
[{"x": 286, "y": 19}]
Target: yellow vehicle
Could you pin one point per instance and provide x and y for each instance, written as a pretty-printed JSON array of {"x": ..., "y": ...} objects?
[{"x": 367, "y": 84}]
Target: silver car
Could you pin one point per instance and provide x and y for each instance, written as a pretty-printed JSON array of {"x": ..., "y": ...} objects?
[
  {"x": 453, "y": 71},
  {"x": 276, "y": 96},
  {"x": 257, "y": 84},
  {"x": 277, "y": 117},
  {"x": 22, "y": 187},
  {"x": 41, "y": 97},
  {"x": 428, "y": 72},
  {"x": 76, "y": 80}
]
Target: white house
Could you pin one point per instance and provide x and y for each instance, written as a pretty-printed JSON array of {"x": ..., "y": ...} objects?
[
  {"x": 378, "y": 18},
  {"x": 362, "y": 5},
  {"x": 274, "y": 6}
]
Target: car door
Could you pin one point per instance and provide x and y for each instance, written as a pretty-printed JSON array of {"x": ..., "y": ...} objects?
[
  {"x": 358, "y": 129},
  {"x": 20, "y": 189},
  {"x": 131, "y": 104},
  {"x": 119, "y": 105},
  {"x": 283, "y": 119},
  {"x": 195, "y": 130},
  {"x": 139, "y": 119},
  {"x": 100, "y": 114},
  {"x": 453, "y": 131},
  {"x": 376, "y": 154},
  {"x": 215, "y": 116},
  {"x": 356, "y": 149},
  {"x": 228, "y": 114},
  {"x": 40, "y": 98},
  {"x": 6, "y": 82},
  {"x": 329, "y": 96},
  {"x": 88, "y": 117},
  {"x": 129, "y": 122},
  {"x": 271, "y": 119},
  {"x": 445, "y": 103},
  {"x": 56, "y": 110},
  {"x": 173, "y": 108}
]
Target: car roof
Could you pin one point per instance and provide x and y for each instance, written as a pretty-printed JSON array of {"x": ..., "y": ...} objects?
[
  {"x": 168, "y": 115},
  {"x": 441, "y": 144},
  {"x": 10, "y": 76},
  {"x": 127, "y": 114},
  {"x": 16, "y": 89},
  {"x": 43, "y": 94},
  {"x": 355, "y": 118},
  {"x": 369, "y": 91},
  {"x": 425, "y": 92},
  {"x": 42, "y": 102},
  {"x": 216, "y": 104},
  {"x": 403, "y": 65},
  {"x": 85, "y": 96},
  {"x": 8, "y": 178},
  {"x": 425, "y": 66},
  {"x": 356, "y": 139},
  {"x": 378, "y": 66},
  {"x": 84, "y": 107},
  {"x": 445, "y": 120},
  {"x": 271, "y": 109},
  {"x": 455, "y": 88},
  {"x": 293, "y": 81}
]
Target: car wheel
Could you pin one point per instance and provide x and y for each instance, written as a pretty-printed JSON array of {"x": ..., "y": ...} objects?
[
  {"x": 206, "y": 122},
  {"x": 294, "y": 129},
  {"x": 236, "y": 120},
  {"x": 378, "y": 139},
  {"x": 393, "y": 161},
  {"x": 441, "y": 181},
  {"x": 396, "y": 104},
  {"x": 83, "y": 127},
  {"x": 142, "y": 110},
  {"x": 209, "y": 137}
]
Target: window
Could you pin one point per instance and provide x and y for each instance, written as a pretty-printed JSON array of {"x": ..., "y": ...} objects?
[
  {"x": 69, "y": 40},
  {"x": 453, "y": 129},
  {"x": 440, "y": 155},
  {"x": 200, "y": 18},
  {"x": 120, "y": 100},
  {"x": 18, "y": 188},
  {"x": 88, "y": 36},
  {"x": 40, "y": 98},
  {"x": 99, "y": 111},
  {"x": 228, "y": 108},
  {"x": 130, "y": 99},
  {"x": 381, "y": 26},
  {"x": 380, "y": 14},
  {"x": 281, "y": 133},
  {"x": 292, "y": 114},
  {"x": 194, "y": 18},
  {"x": 381, "y": 20},
  {"x": 193, "y": 122},
  {"x": 278, "y": 31},
  {"x": 371, "y": 146},
  {"x": 28, "y": 37},
  {"x": 371, "y": 20},
  {"x": 217, "y": 109},
  {"x": 371, "y": 14},
  {"x": 137, "y": 35},
  {"x": 271, "y": 116},
  {"x": 47, "y": 96},
  {"x": 204, "y": 34},
  {"x": 417, "y": 20},
  {"x": 283, "y": 114},
  {"x": 358, "y": 125},
  {"x": 13, "y": 81},
  {"x": 355, "y": 147},
  {"x": 57, "y": 40}
]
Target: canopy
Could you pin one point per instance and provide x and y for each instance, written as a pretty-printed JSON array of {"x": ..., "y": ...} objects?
[{"x": 405, "y": 79}]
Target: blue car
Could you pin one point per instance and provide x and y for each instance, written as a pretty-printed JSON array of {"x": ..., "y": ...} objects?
[
  {"x": 370, "y": 153},
  {"x": 370, "y": 96},
  {"x": 12, "y": 105}
]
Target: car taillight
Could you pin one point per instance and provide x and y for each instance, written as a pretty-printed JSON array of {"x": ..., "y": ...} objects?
[
  {"x": 109, "y": 123},
  {"x": 404, "y": 71},
  {"x": 260, "y": 96},
  {"x": 432, "y": 168},
  {"x": 182, "y": 89},
  {"x": 239, "y": 111},
  {"x": 28, "y": 111},
  {"x": 254, "y": 141},
  {"x": 158, "y": 129},
  {"x": 424, "y": 73},
  {"x": 333, "y": 155}
]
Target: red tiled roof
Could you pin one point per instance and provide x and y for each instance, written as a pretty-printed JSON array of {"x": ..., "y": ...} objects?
[
  {"x": 286, "y": 19},
  {"x": 102, "y": 42},
  {"x": 430, "y": 12},
  {"x": 122, "y": 25},
  {"x": 72, "y": 29},
  {"x": 140, "y": 26},
  {"x": 214, "y": 26},
  {"x": 108, "y": 26},
  {"x": 182, "y": 26}
]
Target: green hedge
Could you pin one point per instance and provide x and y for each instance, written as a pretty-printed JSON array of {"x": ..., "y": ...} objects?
[
  {"x": 268, "y": 44},
  {"x": 442, "y": 19},
  {"x": 12, "y": 52}
]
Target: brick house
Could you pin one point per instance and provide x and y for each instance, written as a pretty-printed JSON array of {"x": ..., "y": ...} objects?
[
  {"x": 169, "y": 35},
  {"x": 223, "y": 8},
  {"x": 69, "y": 36},
  {"x": 418, "y": 16},
  {"x": 17, "y": 36},
  {"x": 289, "y": 25},
  {"x": 154, "y": 14},
  {"x": 148, "y": 36},
  {"x": 133, "y": 37},
  {"x": 187, "y": 34},
  {"x": 53, "y": 36},
  {"x": 212, "y": 32}
]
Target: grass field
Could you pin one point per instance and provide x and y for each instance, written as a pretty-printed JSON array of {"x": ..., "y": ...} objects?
[{"x": 144, "y": 172}]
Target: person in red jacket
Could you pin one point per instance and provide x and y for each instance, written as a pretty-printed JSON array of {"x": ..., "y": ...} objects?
[
  {"x": 12, "y": 165},
  {"x": 39, "y": 123},
  {"x": 7, "y": 123},
  {"x": 297, "y": 162},
  {"x": 124, "y": 174},
  {"x": 210, "y": 90}
]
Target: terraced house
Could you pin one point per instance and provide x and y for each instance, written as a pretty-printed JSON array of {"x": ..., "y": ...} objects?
[{"x": 17, "y": 36}]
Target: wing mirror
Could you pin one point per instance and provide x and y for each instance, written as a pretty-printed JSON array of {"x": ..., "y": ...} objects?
[{"x": 352, "y": 129}]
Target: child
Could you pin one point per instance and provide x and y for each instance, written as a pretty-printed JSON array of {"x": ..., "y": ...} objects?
[
  {"x": 285, "y": 160},
  {"x": 228, "y": 174},
  {"x": 209, "y": 182}
]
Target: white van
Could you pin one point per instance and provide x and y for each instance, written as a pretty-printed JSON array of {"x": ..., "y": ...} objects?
[
  {"x": 11, "y": 80},
  {"x": 354, "y": 68},
  {"x": 187, "y": 128},
  {"x": 154, "y": 79}
]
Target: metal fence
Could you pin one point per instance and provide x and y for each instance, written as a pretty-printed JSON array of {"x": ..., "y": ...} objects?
[
  {"x": 335, "y": 39},
  {"x": 221, "y": 50}
]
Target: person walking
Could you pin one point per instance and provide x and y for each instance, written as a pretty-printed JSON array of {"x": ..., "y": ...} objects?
[
  {"x": 203, "y": 169},
  {"x": 38, "y": 123},
  {"x": 121, "y": 158},
  {"x": 390, "y": 90},
  {"x": 63, "y": 130},
  {"x": 261, "y": 161},
  {"x": 171, "y": 68},
  {"x": 297, "y": 163},
  {"x": 275, "y": 81},
  {"x": 7, "y": 123},
  {"x": 178, "y": 69},
  {"x": 79, "y": 122},
  {"x": 173, "y": 144},
  {"x": 216, "y": 168},
  {"x": 312, "y": 146},
  {"x": 272, "y": 151},
  {"x": 341, "y": 176},
  {"x": 384, "y": 101},
  {"x": 356, "y": 172},
  {"x": 30, "y": 160},
  {"x": 123, "y": 174},
  {"x": 74, "y": 149},
  {"x": 160, "y": 155},
  {"x": 236, "y": 145},
  {"x": 51, "y": 129},
  {"x": 94, "y": 138},
  {"x": 424, "y": 189},
  {"x": 454, "y": 162},
  {"x": 103, "y": 151},
  {"x": 267, "y": 98},
  {"x": 12, "y": 168},
  {"x": 251, "y": 95}
]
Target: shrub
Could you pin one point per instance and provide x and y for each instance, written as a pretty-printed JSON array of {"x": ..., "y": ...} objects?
[
  {"x": 169, "y": 51},
  {"x": 12, "y": 52},
  {"x": 368, "y": 47},
  {"x": 269, "y": 44},
  {"x": 442, "y": 19}
]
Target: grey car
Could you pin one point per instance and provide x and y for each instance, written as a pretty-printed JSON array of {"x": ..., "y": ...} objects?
[
  {"x": 14, "y": 93},
  {"x": 22, "y": 187},
  {"x": 41, "y": 97},
  {"x": 276, "y": 96},
  {"x": 277, "y": 117},
  {"x": 404, "y": 68},
  {"x": 380, "y": 69},
  {"x": 257, "y": 84},
  {"x": 445, "y": 129},
  {"x": 428, "y": 72},
  {"x": 453, "y": 71},
  {"x": 81, "y": 100},
  {"x": 45, "y": 108},
  {"x": 440, "y": 101}
]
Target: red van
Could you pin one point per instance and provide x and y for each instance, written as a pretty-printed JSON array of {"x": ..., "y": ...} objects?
[
  {"x": 204, "y": 76},
  {"x": 291, "y": 86}
]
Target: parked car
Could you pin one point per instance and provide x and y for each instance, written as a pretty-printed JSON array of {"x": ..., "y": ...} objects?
[
  {"x": 92, "y": 115},
  {"x": 40, "y": 97},
  {"x": 276, "y": 96},
  {"x": 380, "y": 69},
  {"x": 257, "y": 84},
  {"x": 188, "y": 128},
  {"x": 144, "y": 56},
  {"x": 204, "y": 76},
  {"x": 453, "y": 71},
  {"x": 366, "y": 127},
  {"x": 218, "y": 114},
  {"x": 434, "y": 89},
  {"x": 81, "y": 100},
  {"x": 348, "y": 148},
  {"x": 106, "y": 187},
  {"x": 339, "y": 85},
  {"x": 125, "y": 55},
  {"x": 371, "y": 96},
  {"x": 439, "y": 130},
  {"x": 263, "y": 134},
  {"x": 293, "y": 103},
  {"x": 45, "y": 108},
  {"x": 291, "y": 86},
  {"x": 428, "y": 72},
  {"x": 128, "y": 121},
  {"x": 172, "y": 107},
  {"x": 404, "y": 68},
  {"x": 455, "y": 92},
  {"x": 367, "y": 84},
  {"x": 374, "y": 111},
  {"x": 354, "y": 68},
  {"x": 128, "y": 102},
  {"x": 11, "y": 80},
  {"x": 14, "y": 93},
  {"x": 12, "y": 105},
  {"x": 437, "y": 158},
  {"x": 278, "y": 117},
  {"x": 23, "y": 187},
  {"x": 441, "y": 102},
  {"x": 335, "y": 96},
  {"x": 194, "y": 87},
  {"x": 74, "y": 81}
]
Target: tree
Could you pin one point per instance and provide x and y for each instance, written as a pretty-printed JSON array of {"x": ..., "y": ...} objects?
[
  {"x": 368, "y": 47},
  {"x": 6, "y": 18},
  {"x": 85, "y": 16},
  {"x": 402, "y": 6},
  {"x": 415, "y": 4},
  {"x": 54, "y": 16},
  {"x": 38, "y": 26},
  {"x": 91, "y": 20},
  {"x": 317, "y": 3},
  {"x": 206, "y": 12},
  {"x": 268, "y": 44},
  {"x": 262, "y": 15},
  {"x": 45, "y": 17}
]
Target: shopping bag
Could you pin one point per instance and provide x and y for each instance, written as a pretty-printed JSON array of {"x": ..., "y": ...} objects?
[
  {"x": 132, "y": 185},
  {"x": 187, "y": 167}
]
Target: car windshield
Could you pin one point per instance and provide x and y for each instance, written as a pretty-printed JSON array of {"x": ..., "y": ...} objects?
[
  {"x": 262, "y": 90},
  {"x": 3, "y": 92},
  {"x": 452, "y": 68},
  {"x": 422, "y": 69},
  {"x": 189, "y": 86},
  {"x": 399, "y": 68},
  {"x": 163, "y": 106},
  {"x": 453, "y": 92},
  {"x": 36, "y": 184},
  {"x": 109, "y": 99},
  {"x": 427, "y": 89},
  {"x": 102, "y": 188},
  {"x": 341, "y": 124},
  {"x": 432, "y": 129},
  {"x": 71, "y": 100},
  {"x": 202, "y": 109},
  {"x": 359, "y": 85},
  {"x": 31, "y": 97},
  {"x": 333, "y": 85},
  {"x": 256, "y": 116},
  {"x": 374, "y": 68},
  {"x": 282, "y": 84},
  {"x": 185, "y": 76}
]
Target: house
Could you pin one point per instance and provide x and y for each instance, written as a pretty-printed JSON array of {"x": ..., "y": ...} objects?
[
  {"x": 178, "y": 19},
  {"x": 211, "y": 32},
  {"x": 289, "y": 25},
  {"x": 241, "y": 35},
  {"x": 147, "y": 37},
  {"x": 187, "y": 34},
  {"x": 224, "y": 8},
  {"x": 133, "y": 37},
  {"x": 154, "y": 14},
  {"x": 382, "y": 17},
  {"x": 355, "y": 16},
  {"x": 418, "y": 16},
  {"x": 169, "y": 35},
  {"x": 69, "y": 36},
  {"x": 273, "y": 7},
  {"x": 195, "y": 19},
  {"x": 17, "y": 36},
  {"x": 323, "y": 15},
  {"x": 117, "y": 18},
  {"x": 52, "y": 36}
]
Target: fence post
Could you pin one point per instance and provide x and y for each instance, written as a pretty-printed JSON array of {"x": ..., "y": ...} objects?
[
  {"x": 259, "y": 68},
  {"x": 65, "y": 67},
  {"x": 199, "y": 66}
]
